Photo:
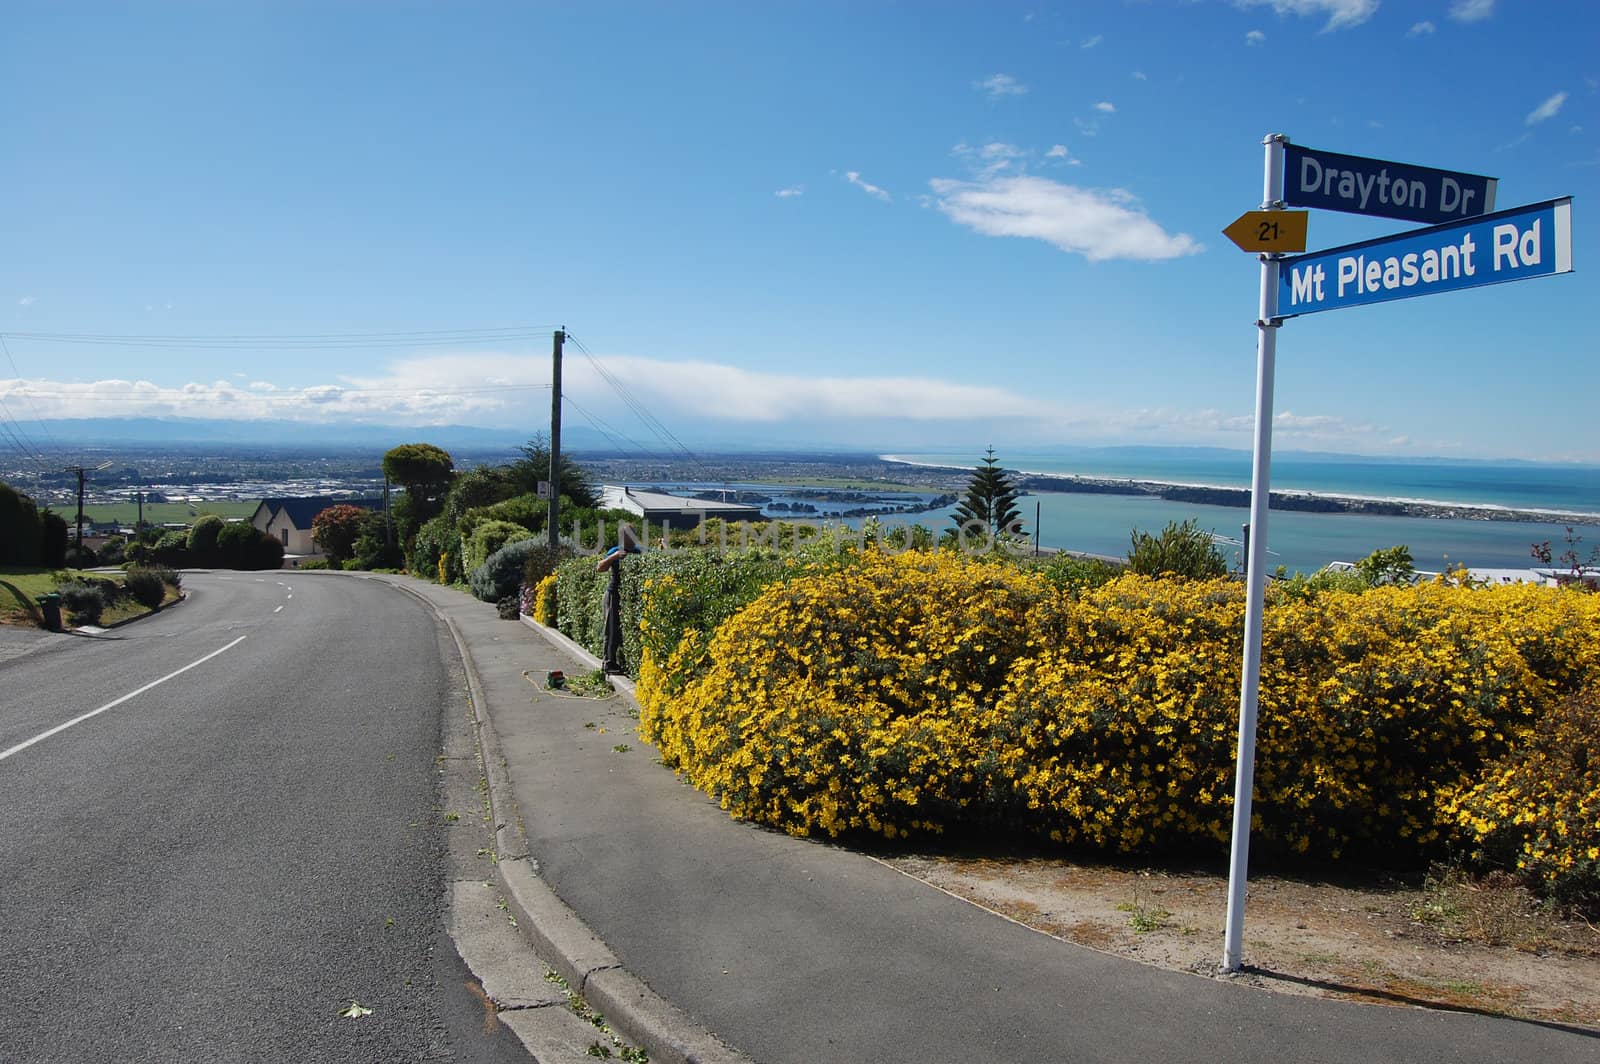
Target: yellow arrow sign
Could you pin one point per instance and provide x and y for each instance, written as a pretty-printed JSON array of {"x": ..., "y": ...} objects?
[{"x": 1269, "y": 230}]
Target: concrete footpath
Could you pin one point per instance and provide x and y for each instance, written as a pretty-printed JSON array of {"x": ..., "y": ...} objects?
[{"x": 693, "y": 933}]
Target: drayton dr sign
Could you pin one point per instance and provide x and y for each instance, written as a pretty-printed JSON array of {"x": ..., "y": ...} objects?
[
  {"x": 1531, "y": 241},
  {"x": 1359, "y": 185}
]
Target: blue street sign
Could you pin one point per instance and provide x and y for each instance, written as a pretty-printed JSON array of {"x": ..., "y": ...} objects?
[
  {"x": 1531, "y": 241},
  {"x": 1356, "y": 185}
]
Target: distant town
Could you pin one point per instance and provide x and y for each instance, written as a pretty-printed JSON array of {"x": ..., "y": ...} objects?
[{"x": 172, "y": 485}]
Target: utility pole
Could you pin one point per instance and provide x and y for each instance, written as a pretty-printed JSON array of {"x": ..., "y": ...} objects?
[
  {"x": 138, "y": 526},
  {"x": 80, "y": 506},
  {"x": 555, "y": 439}
]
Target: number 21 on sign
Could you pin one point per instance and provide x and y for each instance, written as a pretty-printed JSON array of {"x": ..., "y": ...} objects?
[{"x": 1269, "y": 231}]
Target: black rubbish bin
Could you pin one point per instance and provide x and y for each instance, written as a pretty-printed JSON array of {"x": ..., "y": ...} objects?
[{"x": 50, "y": 606}]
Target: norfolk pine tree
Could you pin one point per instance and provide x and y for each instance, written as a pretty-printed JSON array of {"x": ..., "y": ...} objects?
[{"x": 991, "y": 499}]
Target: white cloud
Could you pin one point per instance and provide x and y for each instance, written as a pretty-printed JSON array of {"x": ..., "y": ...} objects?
[
  {"x": 854, "y": 177},
  {"x": 1254, "y": 37},
  {"x": 1342, "y": 14},
  {"x": 1106, "y": 108},
  {"x": 1098, "y": 224},
  {"x": 1093, "y": 41},
  {"x": 710, "y": 389},
  {"x": 1139, "y": 75},
  {"x": 1471, "y": 10},
  {"x": 793, "y": 190},
  {"x": 457, "y": 389},
  {"x": 1547, "y": 110},
  {"x": 990, "y": 159},
  {"x": 1059, "y": 151},
  {"x": 431, "y": 390},
  {"x": 1087, "y": 126},
  {"x": 997, "y": 85},
  {"x": 27, "y": 301},
  {"x": 1420, "y": 29}
]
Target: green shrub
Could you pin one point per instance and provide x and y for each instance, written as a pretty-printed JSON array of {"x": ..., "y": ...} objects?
[
  {"x": 53, "y": 544},
  {"x": 148, "y": 587},
  {"x": 1181, "y": 550},
  {"x": 314, "y": 563},
  {"x": 83, "y": 602},
  {"x": 488, "y": 537},
  {"x": 241, "y": 545},
  {"x": 1072, "y": 572},
  {"x": 374, "y": 549},
  {"x": 21, "y": 529},
  {"x": 1302, "y": 587},
  {"x": 115, "y": 551},
  {"x": 501, "y": 574},
  {"x": 202, "y": 541},
  {"x": 80, "y": 558},
  {"x": 172, "y": 548},
  {"x": 690, "y": 589},
  {"x": 436, "y": 539},
  {"x": 541, "y": 563}
]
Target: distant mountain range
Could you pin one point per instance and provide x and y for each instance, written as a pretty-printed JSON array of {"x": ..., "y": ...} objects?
[{"x": 833, "y": 438}]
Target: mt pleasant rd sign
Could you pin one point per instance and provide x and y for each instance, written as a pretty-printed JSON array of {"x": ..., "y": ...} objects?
[{"x": 1524, "y": 242}]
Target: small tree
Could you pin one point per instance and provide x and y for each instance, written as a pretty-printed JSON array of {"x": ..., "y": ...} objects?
[
  {"x": 425, "y": 472},
  {"x": 1581, "y": 571},
  {"x": 1181, "y": 550},
  {"x": 373, "y": 548},
  {"x": 534, "y": 466},
  {"x": 990, "y": 501},
  {"x": 53, "y": 545},
  {"x": 1388, "y": 565},
  {"x": 336, "y": 529},
  {"x": 21, "y": 530}
]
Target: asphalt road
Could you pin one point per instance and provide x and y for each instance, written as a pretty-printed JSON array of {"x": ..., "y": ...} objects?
[{"x": 243, "y": 840}]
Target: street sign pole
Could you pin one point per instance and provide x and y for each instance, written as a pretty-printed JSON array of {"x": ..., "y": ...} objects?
[{"x": 1255, "y": 572}]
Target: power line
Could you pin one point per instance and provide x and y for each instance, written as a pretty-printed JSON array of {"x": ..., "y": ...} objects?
[
  {"x": 607, "y": 431},
  {"x": 650, "y": 421},
  {"x": 31, "y": 449}
]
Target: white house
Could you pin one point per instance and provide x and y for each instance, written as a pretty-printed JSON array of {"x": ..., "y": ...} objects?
[{"x": 289, "y": 520}]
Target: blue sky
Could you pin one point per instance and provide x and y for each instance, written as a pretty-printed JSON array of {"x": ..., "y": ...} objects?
[{"x": 934, "y": 225}]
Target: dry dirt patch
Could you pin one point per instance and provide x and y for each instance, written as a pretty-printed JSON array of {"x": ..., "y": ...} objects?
[{"x": 1452, "y": 942}]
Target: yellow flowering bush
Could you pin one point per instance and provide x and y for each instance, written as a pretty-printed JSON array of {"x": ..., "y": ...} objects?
[
  {"x": 923, "y": 692},
  {"x": 1538, "y": 809},
  {"x": 1372, "y": 707},
  {"x": 544, "y": 600},
  {"x": 855, "y": 697}
]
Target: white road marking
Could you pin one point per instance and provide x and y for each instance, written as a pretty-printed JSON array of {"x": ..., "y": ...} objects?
[
  {"x": 117, "y": 702},
  {"x": 277, "y": 609}
]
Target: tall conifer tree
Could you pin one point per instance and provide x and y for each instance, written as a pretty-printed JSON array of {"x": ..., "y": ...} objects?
[{"x": 991, "y": 499}]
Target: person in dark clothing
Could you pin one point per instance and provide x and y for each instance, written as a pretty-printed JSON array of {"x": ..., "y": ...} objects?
[{"x": 612, "y": 563}]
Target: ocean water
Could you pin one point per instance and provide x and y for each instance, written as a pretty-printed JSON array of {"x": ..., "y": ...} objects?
[
  {"x": 1513, "y": 485},
  {"x": 1103, "y": 524}
]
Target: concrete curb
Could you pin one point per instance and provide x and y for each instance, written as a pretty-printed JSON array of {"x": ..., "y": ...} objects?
[
  {"x": 577, "y": 650},
  {"x": 559, "y": 934}
]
